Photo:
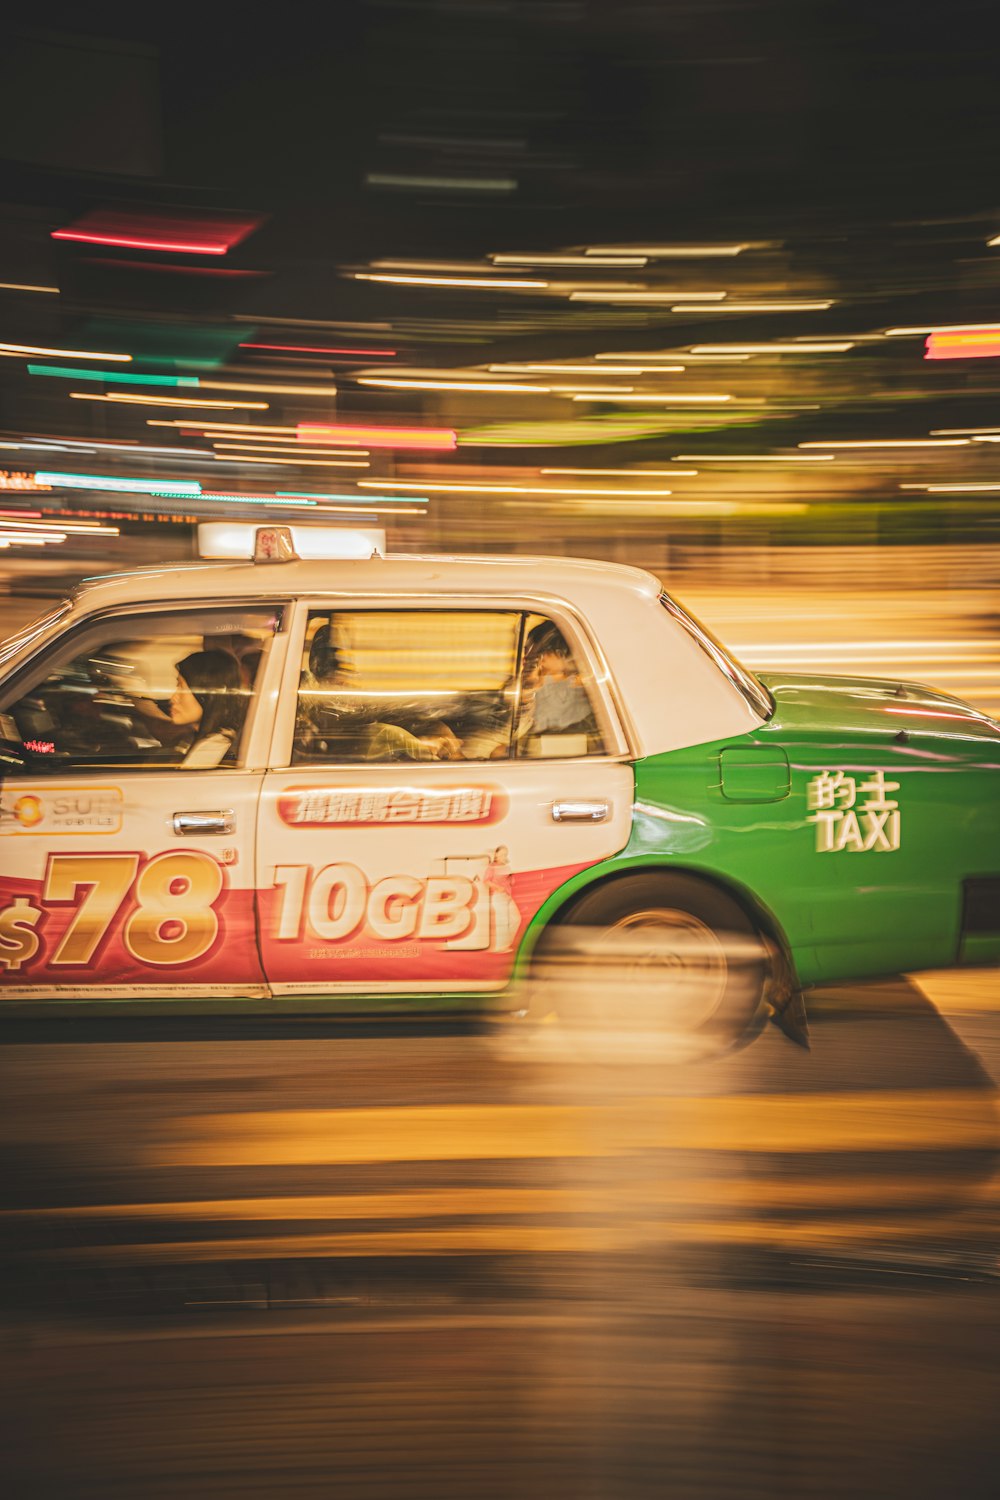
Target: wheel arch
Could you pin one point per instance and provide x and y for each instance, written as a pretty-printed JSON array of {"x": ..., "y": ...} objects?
[{"x": 559, "y": 906}]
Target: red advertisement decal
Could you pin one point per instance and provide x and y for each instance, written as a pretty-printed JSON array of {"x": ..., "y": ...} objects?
[{"x": 329, "y": 807}]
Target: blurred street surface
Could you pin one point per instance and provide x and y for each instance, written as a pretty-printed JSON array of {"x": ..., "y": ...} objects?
[{"x": 279, "y": 1258}]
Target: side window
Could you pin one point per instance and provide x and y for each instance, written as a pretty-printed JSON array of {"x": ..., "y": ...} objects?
[
  {"x": 424, "y": 685},
  {"x": 136, "y": 691}
]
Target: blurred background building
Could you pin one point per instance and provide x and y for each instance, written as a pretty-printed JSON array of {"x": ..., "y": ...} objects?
[{"x": 705, "y": 286}]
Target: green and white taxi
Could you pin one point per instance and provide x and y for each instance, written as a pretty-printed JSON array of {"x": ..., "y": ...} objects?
[{"x": 393, "y": 783}]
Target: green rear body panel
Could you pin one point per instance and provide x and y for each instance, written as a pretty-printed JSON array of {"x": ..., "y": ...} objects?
[{"x": 742, "y": 813}]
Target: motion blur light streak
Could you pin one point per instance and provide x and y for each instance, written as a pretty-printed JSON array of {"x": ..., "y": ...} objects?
[
  {"x": 944, "y": 489},
  {"x": 126, "y": 400},
  {"x": 728, "y": 307},
  {"x": 180, "y": 488},
  {"x": 395, "y": 505},
  {"x": 687, "y": 355},
  {"x": 314, "y": 349},
  {"x": 27, "y": 286},
  {"x": 665, "y": 252},
  {"x": 481, "y": 283},
  {"x": 569, "y": 260},
  {"x": 657, "y": 397},
  {"x": 754, "y": 458},
  {"x": 16, "y": 350},
  {"x": 435, "y": 439},
  {"x": 890, "y": 443},
  {"x": 180, "y": 234},
  {"x": 629, "y": 473},
  {"x": 328, "y": 390},
  {"x": 293, "y": 463},
  {"x": 596, "y": 370},
  {"x": 210, "y": 428},
  {"x": 935, "y": 328},
  {"x": 980, "y": 343},
  {"x": 114, "y": 377},
  {"x": 502, "y": 387},
  {"x": 500, "y": 489},
  {"x": 794, "y": 348},
  {"x": 638, "y": 294}
]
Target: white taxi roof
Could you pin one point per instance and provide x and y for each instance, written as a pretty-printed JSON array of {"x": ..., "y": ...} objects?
[{"x": 669, "y": 691}]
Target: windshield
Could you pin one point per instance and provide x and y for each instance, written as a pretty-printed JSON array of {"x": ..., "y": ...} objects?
[
  {"x": 753, "y": 690},
  {"x": 15, "y": 644}
]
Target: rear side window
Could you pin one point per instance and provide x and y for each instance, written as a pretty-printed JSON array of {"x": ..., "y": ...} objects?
[{"x": 428, "y": 685}]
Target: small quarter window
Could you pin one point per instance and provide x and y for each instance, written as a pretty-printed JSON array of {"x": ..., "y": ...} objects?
[{"x": 751, "y": 688}]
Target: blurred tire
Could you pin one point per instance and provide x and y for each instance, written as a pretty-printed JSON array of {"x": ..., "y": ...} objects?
[{"x": 649, "y": 964}]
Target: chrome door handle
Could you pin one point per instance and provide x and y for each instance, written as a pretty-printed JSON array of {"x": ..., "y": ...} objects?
[
  {"x": 205, "y": 822},
  {"x": 580, "y": 812}
]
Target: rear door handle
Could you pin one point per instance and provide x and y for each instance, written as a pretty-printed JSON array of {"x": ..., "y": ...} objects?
[
  {"x": 223, "y": 821},
  {"x": 580, "y": 812}
]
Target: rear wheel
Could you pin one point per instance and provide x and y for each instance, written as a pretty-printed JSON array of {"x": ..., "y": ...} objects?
[{"x": 650, "y": 957}]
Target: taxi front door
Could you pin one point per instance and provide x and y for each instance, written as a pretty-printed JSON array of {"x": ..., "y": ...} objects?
[{"x": 122, "y": 882}]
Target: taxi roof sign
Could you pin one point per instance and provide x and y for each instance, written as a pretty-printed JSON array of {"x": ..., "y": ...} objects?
[
  {"x": 249, "y": 541},
  {"x": 274, "y": 544}
]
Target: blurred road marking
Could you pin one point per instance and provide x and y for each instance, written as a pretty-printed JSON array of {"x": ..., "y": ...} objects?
[
  {"x": 929, "y": 1119},
  {"x": 616, "y": 1233},
  {"x": 880, "y": 1189}
]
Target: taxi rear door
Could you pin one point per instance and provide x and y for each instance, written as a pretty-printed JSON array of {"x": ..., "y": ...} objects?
[{"x": 410, "y": 875}]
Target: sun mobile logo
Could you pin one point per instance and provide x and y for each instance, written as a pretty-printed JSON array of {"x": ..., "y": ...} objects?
[{"x": 28, "y": 811}]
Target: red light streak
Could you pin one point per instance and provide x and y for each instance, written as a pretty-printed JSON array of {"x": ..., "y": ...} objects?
[
  {"x": 134, "y": 243},
  {"x": 177, "y": 233},
  {"x": 312, "y": 349},
  {"x": 436, "y": 439}
]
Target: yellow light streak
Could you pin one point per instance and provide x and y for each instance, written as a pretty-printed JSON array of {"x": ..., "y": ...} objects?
[
  {"x": 598, "y": 370},
  {"x": 720, "y": 359},
  {"x": 755, "y": 458},
  {"x": 27, "y": 286},
  {"x": 611, "y": 295},
  {"x": 268, "y": 390},
  {"x": 894, "y": 333},
  {"x": 497, "y": 489},
  {"x": 960, "y": 431},
  {"x": 78, "y": 528},
  {"x": 944, "y": 489},
  {"x": 667, "y": 252},
  {"x": 123, "y": 400},
  {"x": 825, "y": 347},
  {"x": 653, "y": 396},
  {"x": 755, "y": 307},
  {"x": 893, "y": 443},
  {"x": 309, "y": 463},
  {"x": 15, "y": 351},
  {"x": 403, "y": 384},
  {"x": 569, "y": 260},
  {"x": 481, "y": 282},
  {"x": 208, "y": 428},
  {"x": 629, "y": 473}
]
